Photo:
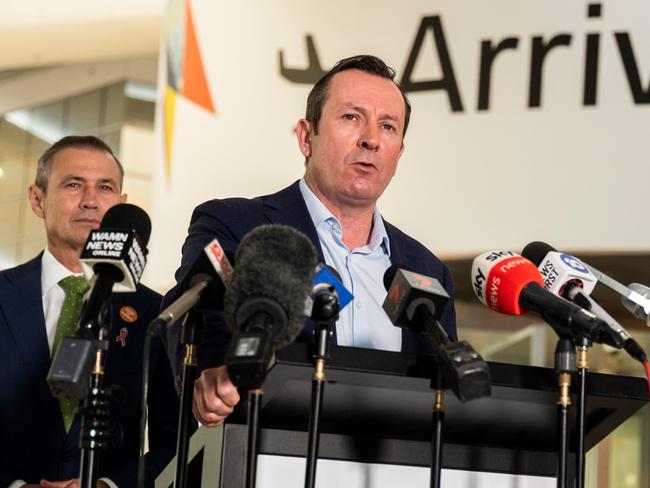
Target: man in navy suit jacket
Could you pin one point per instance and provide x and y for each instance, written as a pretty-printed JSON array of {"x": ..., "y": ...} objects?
[
  {"x": 78, "y": 179},
  {"x": 351, "y": 138}
]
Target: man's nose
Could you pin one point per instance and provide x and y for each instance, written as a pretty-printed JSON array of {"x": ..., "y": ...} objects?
[
  {"x": 370, "y": 138},
  {"x": 89, "y": 199}
]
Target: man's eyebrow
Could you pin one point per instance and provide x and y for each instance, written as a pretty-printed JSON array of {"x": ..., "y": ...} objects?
[
  {"x": 108, "y": 180},
  {"x": 69, "y": 178}
]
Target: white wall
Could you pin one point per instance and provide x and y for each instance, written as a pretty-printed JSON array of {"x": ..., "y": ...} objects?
[{"x": 572, "y": 175}]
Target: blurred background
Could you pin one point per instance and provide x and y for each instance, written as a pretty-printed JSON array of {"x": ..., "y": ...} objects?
[{"x": 530, "y": 122}]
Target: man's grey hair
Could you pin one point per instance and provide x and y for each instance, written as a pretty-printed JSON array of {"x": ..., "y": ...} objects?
[{"x": 44, "y": 165}]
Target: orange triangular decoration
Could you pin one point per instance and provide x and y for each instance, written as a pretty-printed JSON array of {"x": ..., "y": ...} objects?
[{"x": 195, "y": 85}]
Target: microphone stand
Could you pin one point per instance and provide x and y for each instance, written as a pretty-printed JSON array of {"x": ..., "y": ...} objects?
[
  {"x": 253, "y": 420},
  {"x": 325, "y": 312},
  {"x": 97, "y": 430},
  {"x": 582, "y": 365},
  {"x": 438, "y": 417},
  {"x": 565, "y": 364},
  {"x": 191, "y": 337}
]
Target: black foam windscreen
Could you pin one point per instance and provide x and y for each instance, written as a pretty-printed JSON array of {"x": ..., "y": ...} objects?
[
  {"x": 275, "y": 262},
  {"x": 536, "y": 251},
  {"x": 128, "y": 216}
]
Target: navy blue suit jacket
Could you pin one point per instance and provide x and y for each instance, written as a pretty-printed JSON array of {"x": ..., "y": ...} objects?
[
  {"x": 34, "y": 444},
  {"x": 230, "y": 219}
]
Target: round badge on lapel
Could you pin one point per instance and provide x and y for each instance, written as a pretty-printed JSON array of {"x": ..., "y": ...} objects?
[{"x": 128, "y": 314}]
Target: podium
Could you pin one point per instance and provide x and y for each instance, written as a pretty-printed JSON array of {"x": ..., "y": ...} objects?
[{"x": 377, "y": 409}]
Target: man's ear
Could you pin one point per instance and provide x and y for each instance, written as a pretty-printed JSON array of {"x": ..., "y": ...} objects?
[
  {"x": 123, "y": 198},
  {"x": 36, "y": 195},
  {"x": 303, "y": 132}
]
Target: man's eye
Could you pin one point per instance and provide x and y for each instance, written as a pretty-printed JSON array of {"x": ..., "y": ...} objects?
[
  {"x": 72, "y": 184},
  {"x": 350, "y": 117},
  {"x": 388, "y": 127},
  {"x": 106, "y": 188}
]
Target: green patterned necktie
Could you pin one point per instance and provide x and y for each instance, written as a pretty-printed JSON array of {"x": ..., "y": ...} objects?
[{"x": 75, "y": 287}]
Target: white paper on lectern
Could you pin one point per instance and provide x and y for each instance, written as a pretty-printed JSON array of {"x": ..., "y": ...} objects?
[{"x": 289, "y": 472}]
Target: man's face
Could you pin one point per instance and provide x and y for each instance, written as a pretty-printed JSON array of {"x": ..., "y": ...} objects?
[
  {"x": 354, "y": 155},
  {"x": 83, "y": 184}
]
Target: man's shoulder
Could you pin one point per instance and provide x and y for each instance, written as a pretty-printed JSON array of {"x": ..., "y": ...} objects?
[
  {"x": 144, "y": 296},
  {"x": 410, "y": 252},
  {"x": 146, "y": 293},
  {"x": 237, "y": 213},
  {"x": 405, "y": 241},
  {"x": 244, "y": 205},
  {"x": 11, "y": 275}
]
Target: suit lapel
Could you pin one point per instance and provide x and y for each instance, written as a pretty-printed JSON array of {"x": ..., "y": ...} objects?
[
  {"x": 402, "y": 258},
  {"x": 288, "y": 207},
  {"x": 22, "y": 305}
]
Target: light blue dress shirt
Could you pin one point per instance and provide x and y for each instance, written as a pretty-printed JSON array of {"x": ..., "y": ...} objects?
[{"x": 363, "y": 323}]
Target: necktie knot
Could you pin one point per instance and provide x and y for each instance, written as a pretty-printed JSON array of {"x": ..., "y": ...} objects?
[{"x": 75, "y": 285}]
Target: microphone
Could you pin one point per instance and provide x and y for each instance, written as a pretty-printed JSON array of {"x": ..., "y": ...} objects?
[
  {"x": 204, "y": 286},
  {"x": 634, "y": 296},
  {"x": 415, "y": 302},
  {"x": 328, "y": 292},
  {"x": 509, "y": 283},
  {"x": 265, "y": 303},
  {"x": 113, "y": 259},
  {"x": 633, "y": 307},
  {"x": 566, "y": 276},
  {"x": 118, "y": 249}
]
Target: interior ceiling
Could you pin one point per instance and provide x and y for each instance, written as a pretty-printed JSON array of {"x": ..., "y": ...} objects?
[
  {"x": 625, "y": 268},
  {"x": 46, "y": 33}
]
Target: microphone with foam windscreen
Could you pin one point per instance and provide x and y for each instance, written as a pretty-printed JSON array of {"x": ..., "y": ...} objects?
[
  {"x": 566, "y": 276},
  {"x": 415, "y": 302},
  {"x": 265, "y": 303},
  {"x": 509, "y": 283},
  {"x": 113, "y": 259}
]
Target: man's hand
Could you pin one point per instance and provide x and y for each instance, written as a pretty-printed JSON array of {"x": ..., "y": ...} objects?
[
  {"x": 73, "y": 483},
  {"x": 215, "y": 397}
]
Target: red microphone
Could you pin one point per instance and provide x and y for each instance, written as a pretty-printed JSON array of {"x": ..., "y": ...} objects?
[{"x": 509, "y": 283}]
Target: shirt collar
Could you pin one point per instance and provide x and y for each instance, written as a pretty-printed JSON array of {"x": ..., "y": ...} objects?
[
  {"x": 319, "y": 214},
  {"x": 52, "y": 271}
]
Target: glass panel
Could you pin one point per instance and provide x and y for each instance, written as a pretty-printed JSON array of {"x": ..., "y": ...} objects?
[
  {"x": 115, "y": 104},
  {"x": 48, "y": 122},
  {"x": 84, "y": 113}
]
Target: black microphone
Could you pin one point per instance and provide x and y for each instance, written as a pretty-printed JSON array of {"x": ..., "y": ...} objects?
[
  {"x": 113, "y": 258},
  {"x": 265, "y": 303},
  {"x": 415, "y": 302},
  {"x": 203, "y": 287},
  {"x": 568, "y": 277}
]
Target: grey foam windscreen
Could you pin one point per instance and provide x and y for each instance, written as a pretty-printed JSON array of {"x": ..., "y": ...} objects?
[{"x": 276, "y": 262}]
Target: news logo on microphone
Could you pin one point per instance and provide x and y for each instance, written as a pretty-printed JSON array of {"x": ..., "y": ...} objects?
[
  {"x": 488, "y": 273},
  {"x": 559, "y": 270},
  {"x": 118, "y": 247}
]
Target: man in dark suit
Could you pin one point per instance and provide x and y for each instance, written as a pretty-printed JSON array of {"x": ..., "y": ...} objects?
[
  {"x": 78, "y": 179},
  {"x": 351, "y": 138}
]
